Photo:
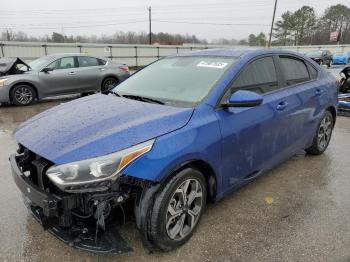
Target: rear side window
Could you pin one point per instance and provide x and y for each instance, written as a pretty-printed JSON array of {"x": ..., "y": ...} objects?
[
  {"x": 295, "y": 70},
  {"x": 85, "y": 61},
  {"x": 259, "y": 76},
  {"x": 102, "y": 62}
]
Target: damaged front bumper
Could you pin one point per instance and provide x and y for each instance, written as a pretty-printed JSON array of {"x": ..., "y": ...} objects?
[{"x": 57, "y": 214}]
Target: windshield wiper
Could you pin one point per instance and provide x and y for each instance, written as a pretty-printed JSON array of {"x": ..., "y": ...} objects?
[
  {"x": 144, "y": 99},
  {"x": 115, "y": 93}
]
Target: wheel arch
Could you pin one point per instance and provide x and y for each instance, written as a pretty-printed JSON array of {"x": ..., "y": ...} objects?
[
  {"x": 333, "y": 112},
  {"x": 23, "y": 83},
  {"x": 205, "y": 168}
]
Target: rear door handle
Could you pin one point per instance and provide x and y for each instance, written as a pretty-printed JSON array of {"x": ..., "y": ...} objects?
[
  {"x": 72, "y": 73},
  {"x": 282, "y": 105}
]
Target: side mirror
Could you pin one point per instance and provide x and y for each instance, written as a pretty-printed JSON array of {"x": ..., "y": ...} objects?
[
  {"x": 244, "y": 98},
  {"x": 47, "y": 69}
]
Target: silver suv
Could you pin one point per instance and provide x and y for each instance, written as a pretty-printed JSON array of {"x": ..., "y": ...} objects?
[{"x": 55, "y": 75}]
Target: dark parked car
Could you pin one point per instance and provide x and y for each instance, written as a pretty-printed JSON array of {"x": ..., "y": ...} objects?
[
  {"x": 322, "y": 57},
  {"x": 55, "y": 75},
  {"x": 183, "y": 131}
]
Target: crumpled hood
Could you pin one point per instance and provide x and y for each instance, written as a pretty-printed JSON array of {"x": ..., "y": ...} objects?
[
  {"x": 7, "y": 65},
  {"x": 97, "y": 125}
]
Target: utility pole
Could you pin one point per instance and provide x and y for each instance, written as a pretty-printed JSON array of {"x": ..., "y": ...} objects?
[
  {"x": 8, "y": 35},
  {"x": 150, "y": 24},
  {"x": 273, "y": 21}
]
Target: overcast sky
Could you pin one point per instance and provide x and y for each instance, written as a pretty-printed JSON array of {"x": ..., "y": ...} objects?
[{"x": 85, "y": 17}]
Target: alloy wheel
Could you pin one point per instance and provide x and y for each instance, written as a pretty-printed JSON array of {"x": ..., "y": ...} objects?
[
  {"x": 324, "y": 132},
  {"x": 23, "y": 95},
  {"x": 184, "y": 209},
  {"x": 109, "y": 84}
]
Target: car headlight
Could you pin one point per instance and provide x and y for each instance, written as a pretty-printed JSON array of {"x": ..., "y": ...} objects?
[
  {"x": 2, "y": 82},
  {"x": 95, "y": 173}
]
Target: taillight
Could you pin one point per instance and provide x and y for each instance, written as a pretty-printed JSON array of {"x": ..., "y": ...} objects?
[{"x": 125, "y": 69}]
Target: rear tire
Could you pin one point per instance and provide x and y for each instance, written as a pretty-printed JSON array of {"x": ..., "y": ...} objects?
[
  {"x": 323, "y": 135},
  {"x": 175, "y": 215},
  {"x": 23, "y": 95},
  {"x": 108, "y": 84}
]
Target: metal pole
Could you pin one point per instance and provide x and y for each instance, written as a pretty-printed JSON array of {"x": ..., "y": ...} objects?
[
  {"x": 136, "y": 61},
  {"x": 2, "y": 49},
  {"x": 111, "y": 52},
  {"x": 273, "y": 21},
  {"x": 150, "y": 24},
  {"x": 45, "y": 49}
]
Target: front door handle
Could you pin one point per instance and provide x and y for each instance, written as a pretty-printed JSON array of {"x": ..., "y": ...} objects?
[
  {"x": 282, "y": 105},
  {"x": 318, "y": 92},
  {"x": 72, "y": 73}
]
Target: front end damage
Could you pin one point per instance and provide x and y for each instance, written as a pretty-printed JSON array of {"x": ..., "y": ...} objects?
[
  {"x": 12, "y": 66},
  {"x": 89, "y": 219},
  {"x": 344, "y": 92}
]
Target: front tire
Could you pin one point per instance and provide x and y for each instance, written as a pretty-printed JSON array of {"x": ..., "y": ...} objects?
[
  {"x": 177, "y": 209},
  {"x": 22, "y": 95},
  {"x": 323, "y": 135}
]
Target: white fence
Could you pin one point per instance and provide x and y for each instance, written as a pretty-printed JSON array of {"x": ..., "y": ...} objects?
[{"x": 132, "y": 55}]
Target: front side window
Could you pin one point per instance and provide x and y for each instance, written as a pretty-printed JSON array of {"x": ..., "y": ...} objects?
[
  {"x": 295, "y": 70},
  {"x": 62, "y": 63},
  {"x": 102, "y": 62},
  {"x": 86, "y": 61},
  {"x": 259, "y": 76},
  {"x": 313, "y": 71},
  {"x": 182, "y": 81}
]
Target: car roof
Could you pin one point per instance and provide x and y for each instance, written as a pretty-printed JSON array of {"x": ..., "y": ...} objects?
[
  {"x": 59, "y": 55},
  {"x": 238, "y": 52}
]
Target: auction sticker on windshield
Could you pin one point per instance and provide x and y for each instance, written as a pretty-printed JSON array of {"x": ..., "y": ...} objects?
[{"x": 212, "y": 64}]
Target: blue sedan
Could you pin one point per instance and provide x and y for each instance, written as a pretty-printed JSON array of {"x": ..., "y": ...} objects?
[{"x": 183, "y": 131}]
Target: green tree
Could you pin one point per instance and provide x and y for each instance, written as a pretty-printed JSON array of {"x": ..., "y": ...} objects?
[
  {"x": 337, "y": 18},
  {"x": 283, "y": 29},
  {"x": 257, "y": 40},
  {"x": 57, "y": 38},
  {"x": 296, "y": 27}
]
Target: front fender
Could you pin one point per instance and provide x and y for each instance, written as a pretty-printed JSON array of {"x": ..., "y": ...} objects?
[
  {"x": 23, "y": 79},
  {"x": 200, "y": 139}
]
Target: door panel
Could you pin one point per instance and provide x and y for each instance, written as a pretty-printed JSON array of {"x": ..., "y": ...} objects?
[
  {"x": 307, "y": 92},
  {"x": 90, "y": 73},
  {"x": 62, "y": 80},
  {"x": 253, "y": 136},
  {"x": 258, "y": 138},
  {"x": 255, "y": 139}
]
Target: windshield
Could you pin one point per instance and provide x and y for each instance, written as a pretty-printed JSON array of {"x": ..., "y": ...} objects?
[
  {"x": 183, "y": 81},
  {"x": 40, "y": 62},
  {"x": 314, "y": 53}
]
